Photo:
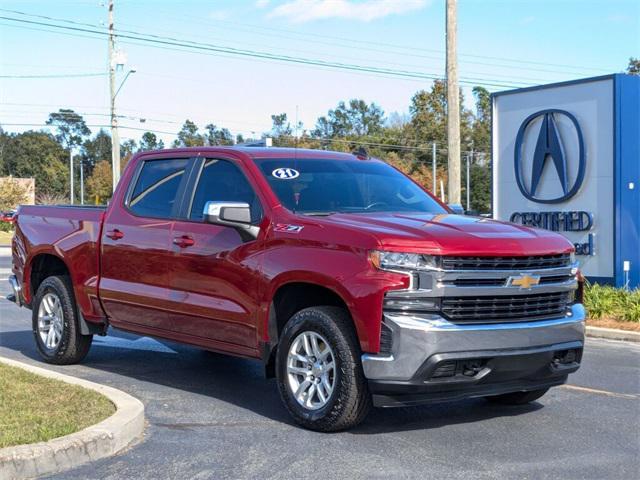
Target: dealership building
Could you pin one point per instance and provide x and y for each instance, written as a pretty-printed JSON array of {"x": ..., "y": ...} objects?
[{"x": 566, "y": 157}]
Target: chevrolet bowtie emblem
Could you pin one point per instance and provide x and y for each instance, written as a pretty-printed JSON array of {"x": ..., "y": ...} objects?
[{"x": 523, "y": 281}]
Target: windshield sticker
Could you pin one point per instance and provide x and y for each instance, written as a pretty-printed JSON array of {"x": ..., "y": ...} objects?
[
  {"x": 285, "y": 173},
  {"x": 284, "y": 227}
]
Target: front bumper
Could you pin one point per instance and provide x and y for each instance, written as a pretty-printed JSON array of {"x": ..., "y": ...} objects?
[{"x": 433, "y": 359}]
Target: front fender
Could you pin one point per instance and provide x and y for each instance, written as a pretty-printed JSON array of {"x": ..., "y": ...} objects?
[{"x": 344, "y": 271}]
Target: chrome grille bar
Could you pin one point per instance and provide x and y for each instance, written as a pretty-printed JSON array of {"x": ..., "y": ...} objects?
[{"x": 505, "y": 263}]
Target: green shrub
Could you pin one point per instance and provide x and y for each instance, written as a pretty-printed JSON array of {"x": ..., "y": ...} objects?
[
  {"x": 603, "y": 301},
  {"x": 6, "y": 226}
]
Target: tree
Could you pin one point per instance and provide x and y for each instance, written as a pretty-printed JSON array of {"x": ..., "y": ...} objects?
[
  {"x": 12, "y": 194},
  {"x": 480, "y": 188},
  {"x": 149, "y": 141},
  {"x": 71, "y": 127},
  {"x": 355, "y": 120},
  {"x": 127, "y": 150},
  {"x": 217, "y": 136},
  {"x": 96, "y": 150},
  {"x": 280, "y": 126},
  {"x": 99, "y": 185},
  {"x": 481, "y": 133},
  {"x": 428, "y": 124},
  {"x": 428, "y": 110},
  {"x": 282, "y": 131},
  {"x": 188, "y": 136},
  {"x": 634, "y": 66},
  {"x": 38, "y": 155}
]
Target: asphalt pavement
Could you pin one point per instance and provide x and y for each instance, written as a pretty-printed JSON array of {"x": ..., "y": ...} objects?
[{"x": 212, "y": 416}]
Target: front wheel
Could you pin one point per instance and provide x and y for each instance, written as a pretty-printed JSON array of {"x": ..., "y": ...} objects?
[
  {"x": 319, "y": 372},
  {"x": 55, "y": 323},
  {"x": 518, "y": 398}
]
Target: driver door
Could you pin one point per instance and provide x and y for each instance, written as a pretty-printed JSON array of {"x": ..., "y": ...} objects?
[{"x": 214, "y": 270}]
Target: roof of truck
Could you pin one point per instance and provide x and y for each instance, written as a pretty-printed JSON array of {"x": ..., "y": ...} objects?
[{"x": 265, "y": 152}]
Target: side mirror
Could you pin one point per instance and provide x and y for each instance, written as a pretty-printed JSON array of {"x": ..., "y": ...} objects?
[
  {"x": 231, "y": 214},
  {"x": 456, "y": 208}
]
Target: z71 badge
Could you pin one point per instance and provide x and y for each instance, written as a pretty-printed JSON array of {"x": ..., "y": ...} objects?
[{"x": 284, "y": 227}]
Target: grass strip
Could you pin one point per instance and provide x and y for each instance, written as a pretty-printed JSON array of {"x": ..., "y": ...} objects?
[{"x": 36, "y": 409}]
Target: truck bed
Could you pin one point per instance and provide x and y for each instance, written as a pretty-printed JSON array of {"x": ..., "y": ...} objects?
[{"x": 71, "y": 233}]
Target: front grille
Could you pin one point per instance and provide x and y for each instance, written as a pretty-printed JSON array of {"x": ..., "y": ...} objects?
[
  {"x": 479, "y": 282},
  {"x": 501, "y": 282},
  {"x": 505, "y": 263},
  {"x": 512, "y": 308}
]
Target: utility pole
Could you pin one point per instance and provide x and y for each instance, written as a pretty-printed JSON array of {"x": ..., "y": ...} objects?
[
  {"x": 433, "y": 173},
  {"x": 453, "y": 104},
  {"x": 115, "y": 140}
]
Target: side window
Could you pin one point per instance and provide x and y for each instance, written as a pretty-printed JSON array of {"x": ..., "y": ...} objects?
[
  {"x": 155, "y": 192},
  {"x": 222, "y": 181}
]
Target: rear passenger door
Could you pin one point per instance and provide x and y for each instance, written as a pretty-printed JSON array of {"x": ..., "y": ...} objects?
[
  {"x": 136, "y": 247},
  {"x": 214, "y": 271}
]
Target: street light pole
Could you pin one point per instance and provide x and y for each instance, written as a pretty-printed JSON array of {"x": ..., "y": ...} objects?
[
  {"x": 433, "y": 166},
  {"x": 469, "y": 158},
  {"x": 81, "y": 181},
  {"x": 453, "y": 104},
  {"x": 115, "y": 140},
  {"x": 71, "y": 174}
]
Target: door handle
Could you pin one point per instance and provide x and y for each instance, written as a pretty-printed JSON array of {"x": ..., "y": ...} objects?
[
  {"x": 184, "y": 241},
  {"x": 114, "y": 234}
]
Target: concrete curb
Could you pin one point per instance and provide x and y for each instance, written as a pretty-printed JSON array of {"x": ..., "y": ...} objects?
[
  {"x": 109, "y": 437},
  {"x": 613, "y": 334}
]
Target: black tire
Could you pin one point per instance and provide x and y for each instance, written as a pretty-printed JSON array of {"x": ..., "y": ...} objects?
[
  {"x": 72, "y": 346},
  {"x": 518, "y": 398},
  {"x": 350, "y": 400}
]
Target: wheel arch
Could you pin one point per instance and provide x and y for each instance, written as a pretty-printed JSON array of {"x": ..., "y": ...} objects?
[
  {"x": 41, "y": 266},
  {"x": 289, "y": 298},
  {"x": 47, "y": 264}
]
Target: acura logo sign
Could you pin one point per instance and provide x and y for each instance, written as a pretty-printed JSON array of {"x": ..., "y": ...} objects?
[{"x": 550, "y": 150}]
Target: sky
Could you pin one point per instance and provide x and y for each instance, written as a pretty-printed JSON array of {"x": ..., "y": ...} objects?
[{"x": 501, "y": 45}]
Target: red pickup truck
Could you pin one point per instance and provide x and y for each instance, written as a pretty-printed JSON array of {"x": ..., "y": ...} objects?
[{"x": 351, "y": 283}]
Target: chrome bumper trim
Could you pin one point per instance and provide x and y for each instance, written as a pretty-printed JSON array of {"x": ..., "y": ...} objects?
[
  {"x": 416, "y": 338},
  {"x": 16, "y": 288}
]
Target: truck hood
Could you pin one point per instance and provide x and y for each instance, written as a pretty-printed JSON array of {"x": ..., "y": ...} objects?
[{"x": 448, "y": 234}]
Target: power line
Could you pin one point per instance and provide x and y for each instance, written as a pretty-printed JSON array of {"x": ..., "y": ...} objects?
[
  {"x": 57, "y": 75},
  {"x": 169, "y": 41},
  {"x": 404, "y": 48}
]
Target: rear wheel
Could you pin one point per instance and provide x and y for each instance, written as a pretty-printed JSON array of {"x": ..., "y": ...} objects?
[
  {"x": 518, "y": 398},
  {"x": 319, "y": 372},
  {"x": 55, "y": 323}
]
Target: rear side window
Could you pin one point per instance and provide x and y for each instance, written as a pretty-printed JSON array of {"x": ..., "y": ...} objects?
[
  {"x": 157, "y": 187},
  {"x": 222, "y": 181}
]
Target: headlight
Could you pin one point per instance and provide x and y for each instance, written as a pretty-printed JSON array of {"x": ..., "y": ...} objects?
[{"x": 403, "y": 261}]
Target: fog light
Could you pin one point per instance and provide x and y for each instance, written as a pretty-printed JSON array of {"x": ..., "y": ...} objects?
[{"x": 565, "y": 357}]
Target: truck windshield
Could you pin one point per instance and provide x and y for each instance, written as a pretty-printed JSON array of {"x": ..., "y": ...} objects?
[{"x": 324, "y": 186}]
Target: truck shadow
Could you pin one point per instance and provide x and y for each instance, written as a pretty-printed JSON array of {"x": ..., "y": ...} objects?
[{"x": 155, "y": 364}]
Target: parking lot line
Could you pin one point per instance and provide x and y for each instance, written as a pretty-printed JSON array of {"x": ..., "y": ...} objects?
[{"x": 600, "y": 392}]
